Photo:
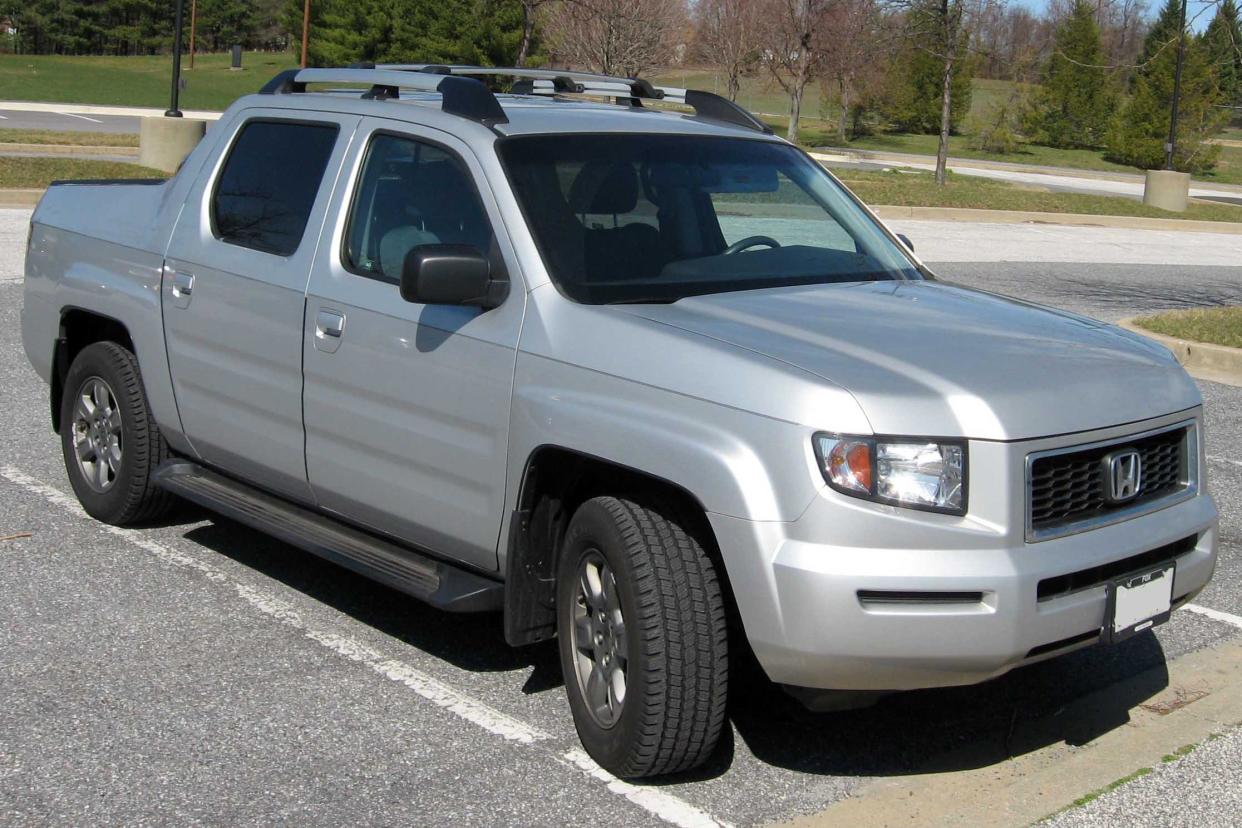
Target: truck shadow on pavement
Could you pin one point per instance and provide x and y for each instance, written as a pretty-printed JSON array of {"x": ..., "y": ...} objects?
[{"x": 1072, "y": 699}]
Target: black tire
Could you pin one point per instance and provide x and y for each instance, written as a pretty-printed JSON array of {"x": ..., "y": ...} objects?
[
  {"x": 675, "y": 642},
  {"x": 127, "y": 496}
]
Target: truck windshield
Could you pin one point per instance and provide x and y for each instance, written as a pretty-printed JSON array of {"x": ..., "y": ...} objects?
[{"x": 655, "y": 218}]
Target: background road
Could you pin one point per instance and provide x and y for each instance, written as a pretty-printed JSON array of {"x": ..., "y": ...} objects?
[
  {"x": 67, "y": 121},
  {"x": 200, "y": 671}
]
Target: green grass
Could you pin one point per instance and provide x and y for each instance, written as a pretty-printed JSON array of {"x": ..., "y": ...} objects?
[
  {"x": 36, "y": 173},
  {"x": 134, "y": 81},
  {"x": 1218, "y": 326},
  {"x": 1111, "y": 786},
  {"x": 918, "y": 189},
  {"x": 77, "y": 139},
  {"x": 1184, "y": 750}
]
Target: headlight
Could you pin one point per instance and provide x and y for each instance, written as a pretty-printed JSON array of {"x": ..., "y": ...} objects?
[{"x": 919, "y": 474}]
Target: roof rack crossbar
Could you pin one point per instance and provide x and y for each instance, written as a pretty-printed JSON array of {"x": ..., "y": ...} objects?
[{"x": 704, "y": 104}]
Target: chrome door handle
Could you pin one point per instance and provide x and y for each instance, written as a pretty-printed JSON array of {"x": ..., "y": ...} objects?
[
  {"x": 182, "y": 288},
  {"x": 329, "y": 326}
]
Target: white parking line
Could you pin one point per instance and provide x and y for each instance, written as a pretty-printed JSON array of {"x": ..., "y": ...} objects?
[
  {"x": 83, "y": 117},
  {"x": 1224, "y": 460},
  {"x": 660, "y": 804},
  {"x": 1215, "y": 615}
]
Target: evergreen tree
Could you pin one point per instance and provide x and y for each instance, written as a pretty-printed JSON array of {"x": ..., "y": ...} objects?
[
  {"x": 913, "y": 99},
  {"x": 411, "y": 31},
  {"x": 1223, "y": 43},
  {"x": 1162, "y": 37},
  {"x": 1140, "y": 130},
  {"x": 1076, "y": 102}
]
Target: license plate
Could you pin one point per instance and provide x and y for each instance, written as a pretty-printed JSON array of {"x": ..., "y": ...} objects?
[{"x": 1139, "y": 602}]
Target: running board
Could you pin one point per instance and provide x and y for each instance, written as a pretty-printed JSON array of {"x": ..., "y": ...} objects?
[{"x": 440, "y": 584}]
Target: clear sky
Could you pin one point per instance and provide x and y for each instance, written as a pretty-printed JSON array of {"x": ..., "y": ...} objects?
[{"x": 1199, "y": 12}]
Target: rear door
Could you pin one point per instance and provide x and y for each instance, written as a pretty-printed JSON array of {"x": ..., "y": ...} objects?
[
  {"x": 407, "y": 405},
  {"x": 234, "y": 293}
]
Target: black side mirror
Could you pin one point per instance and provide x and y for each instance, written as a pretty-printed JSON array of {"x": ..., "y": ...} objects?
[
  {"x": 906, "y": 241},
  {"x": 452, "y": 274}
]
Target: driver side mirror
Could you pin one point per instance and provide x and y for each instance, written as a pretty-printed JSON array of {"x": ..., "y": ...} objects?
[
  {"x": 906, "y": 241},
  {"x": 452, "y": 274}
]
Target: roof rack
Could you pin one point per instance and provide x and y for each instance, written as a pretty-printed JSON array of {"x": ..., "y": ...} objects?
[
  {"x": 632, "y": 90},
  {"x": 465, "y": 95}
]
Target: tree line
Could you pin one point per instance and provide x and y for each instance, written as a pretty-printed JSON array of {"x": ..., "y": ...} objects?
[
  {"x": 139, "y": 27},
  {"x": 1087, "y": 73}
]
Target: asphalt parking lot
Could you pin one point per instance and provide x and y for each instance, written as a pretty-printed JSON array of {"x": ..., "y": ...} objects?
[{"x": 199, "y": 672}]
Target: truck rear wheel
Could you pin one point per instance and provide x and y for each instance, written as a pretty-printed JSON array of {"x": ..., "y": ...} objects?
[
  {"x": 643, "y": 642},
  {"x": 110, "y": 443}
]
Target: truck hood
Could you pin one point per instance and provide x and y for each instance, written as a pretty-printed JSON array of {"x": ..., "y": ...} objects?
[{"x": 927, "y": 358}]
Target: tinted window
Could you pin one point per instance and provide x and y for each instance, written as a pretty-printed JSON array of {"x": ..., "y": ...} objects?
[
  {"x": 654, "y": 218},
  {"x": 410, "y": 194},
  {"x": 269, "y": 182}
]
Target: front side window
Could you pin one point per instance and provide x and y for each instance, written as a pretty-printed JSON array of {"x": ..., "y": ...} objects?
[
  {"x": 269, "y": 183},
  {"x": 410, "y": 193},
  {"x": 655, "y": 218}
]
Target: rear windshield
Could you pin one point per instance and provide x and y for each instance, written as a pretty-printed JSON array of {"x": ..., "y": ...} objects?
[{"x": 655, "y": 218}]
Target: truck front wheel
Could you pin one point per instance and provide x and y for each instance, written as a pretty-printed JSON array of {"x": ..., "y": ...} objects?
[
  {"x": 110, "y": 443},
  {"x": 643, "y": 642}
]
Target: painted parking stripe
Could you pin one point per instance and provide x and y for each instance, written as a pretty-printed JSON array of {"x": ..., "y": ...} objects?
[
  {"x": 664, "y": 806},
  {"x": 1224, "y": 460},
  {"x": 83, "y": 117},
  {"x": 1215, "y": 615}
]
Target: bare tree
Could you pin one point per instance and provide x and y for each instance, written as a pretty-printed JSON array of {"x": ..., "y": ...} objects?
[
  {"x": 793, "y": 43},
  {"x": 850, "y": 43},
  {"x": 616, "y": 37},
  {"x": 530, "y": 10},
  {"x": 728, "y": 35},
  {"x": 945, "y": 30}
]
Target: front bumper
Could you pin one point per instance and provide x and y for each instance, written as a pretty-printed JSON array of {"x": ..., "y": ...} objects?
[{"x": 824, "y": 615}]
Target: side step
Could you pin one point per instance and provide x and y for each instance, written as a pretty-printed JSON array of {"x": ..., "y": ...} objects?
[{"x": 440, "y": 584}]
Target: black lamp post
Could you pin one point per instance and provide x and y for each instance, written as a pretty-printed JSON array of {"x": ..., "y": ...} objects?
[
  {"x": 1171, "y": 147},
  {"x": 174, "y": 111}
]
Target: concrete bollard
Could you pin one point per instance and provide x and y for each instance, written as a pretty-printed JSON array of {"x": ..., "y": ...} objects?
[
  {"x": 163, "y": 142},
  {"x": 1167, "y": 190}
]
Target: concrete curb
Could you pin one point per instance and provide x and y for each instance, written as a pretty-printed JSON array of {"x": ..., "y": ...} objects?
[
  {"x": 1012, "y": 784},
  {"x": 1217, "y": 363},
  {"x": 965, "y": 214},
  {"x": 65, "y": 149},
  {"x": 92, "y": 109},
  {"x": 10, "y": 199}
]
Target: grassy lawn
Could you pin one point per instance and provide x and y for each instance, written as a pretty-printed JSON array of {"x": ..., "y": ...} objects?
[
  {"x": 1219, "y": 326},
  {"x": 77, "y": 139},
  {"x": 918, "y": 189},
  {"x": 134, "y": 81},
  {"x": 36, "y": 173}
]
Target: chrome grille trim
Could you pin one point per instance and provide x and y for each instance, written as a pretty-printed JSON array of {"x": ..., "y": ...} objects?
[{"x": 1189, "y": 483}]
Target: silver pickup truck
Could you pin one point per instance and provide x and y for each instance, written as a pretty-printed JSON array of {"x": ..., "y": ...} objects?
[{"x": 614, "y": 360}]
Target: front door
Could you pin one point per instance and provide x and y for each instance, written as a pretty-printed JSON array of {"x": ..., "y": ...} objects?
[{"x": 407, "y": 406}]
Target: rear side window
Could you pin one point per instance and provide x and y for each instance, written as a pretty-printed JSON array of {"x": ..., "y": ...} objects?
[{"x": 267, "y": 188}]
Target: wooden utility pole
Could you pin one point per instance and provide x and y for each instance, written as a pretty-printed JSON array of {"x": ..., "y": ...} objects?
[
  {"x": 193, "y": 28},
  {"x": 305, "y": 30}
]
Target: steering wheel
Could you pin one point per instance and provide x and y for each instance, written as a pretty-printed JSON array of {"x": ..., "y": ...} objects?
[{"x": 749, "y": 242}]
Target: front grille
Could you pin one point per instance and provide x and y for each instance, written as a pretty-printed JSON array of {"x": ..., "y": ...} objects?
[{"x": 1069, "y": 487}]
